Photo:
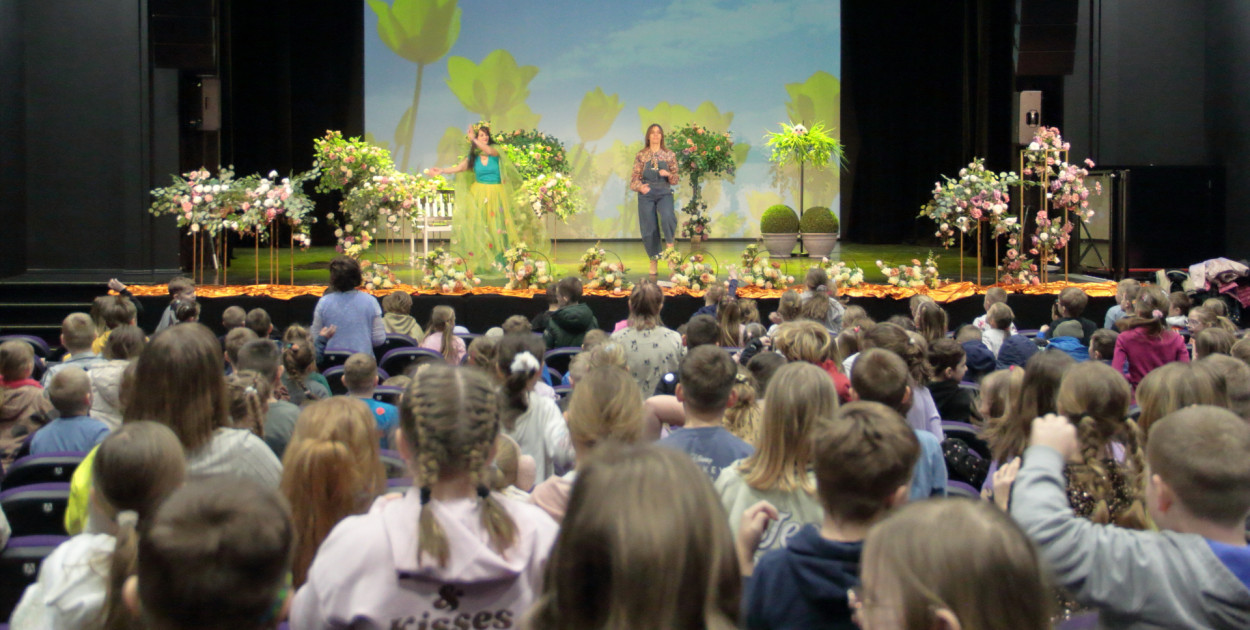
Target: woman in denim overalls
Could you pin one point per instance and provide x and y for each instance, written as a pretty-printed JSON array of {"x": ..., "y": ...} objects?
[{"x": 655, "y": 171}]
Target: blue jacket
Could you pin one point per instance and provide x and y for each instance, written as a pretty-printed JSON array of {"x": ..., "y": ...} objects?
[
  {"x": 803, "y": 585},
  {"x": 1016, "y": 350},
  {"x": 981, "y": 360},
  {"x": 1070, "y": 345}
]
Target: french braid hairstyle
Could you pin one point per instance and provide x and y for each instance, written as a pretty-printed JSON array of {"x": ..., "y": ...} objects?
[
  {"x": 1095, "y": 398},
  {"x": 450, "y": 418}
]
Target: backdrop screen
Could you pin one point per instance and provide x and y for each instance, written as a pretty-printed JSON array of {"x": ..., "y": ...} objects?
[{"x": 595, "y": 75}]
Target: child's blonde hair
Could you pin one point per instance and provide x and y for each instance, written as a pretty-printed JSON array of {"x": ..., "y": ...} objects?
[
  {"x": 606, "y": 406},
  {"x": 799, "y": 396},
  {"x": 1043, "y": 374},
  {"x": 999, "y": 390},
  {"x": 817, "y": 307},
  {"x": 331, "y": 469},
  {"x": 750, "y": 311},
  {"x": 931, "y": 321},
  {"x": 507, "y": 463},
  {"x": 1231, "y": 376},
  {"x": 805, "y": 340},
  {"x": 449, "y": 419},
  {"x": 789, "y": 304},
  {"x": 17, "y": 360},
  {"x": 1002, "y": 586},
  {"x": 1213, "y": 341},
  {"x": 398, "y": 302},
  {"x": 743, "y": 418},
  {"x": 1095, "y": 398},
  {"x": 1170, "y": 387},
  {"x": 672, "y": 562},
  {"x": 443, "y": 321},
  {"x": 248, "y": 393}
]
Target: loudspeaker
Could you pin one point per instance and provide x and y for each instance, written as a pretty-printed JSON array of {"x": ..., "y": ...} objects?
[
  {"x": 210, "y": 104},
  {"x": 1028, "y": 115}
]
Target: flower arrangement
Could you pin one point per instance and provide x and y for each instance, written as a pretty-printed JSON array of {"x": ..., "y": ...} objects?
[
  {"x": 377, "y": 276},
  {"x": 387, "y": 200},
  {"x": 523, "y": 270},
  {"x": 593, "y": 257},
  {"x": 916, "y": 275},
  {"x": 796, "y": 144},
  {"x": 610, "y": 277},
  {"x": 842, "y": 273},
  {"x": 701, "y": 154},
  {"x": 346, "y": 163},
  {"x": 269, "y": 198},
  {"x": 534, "y": 153},
  {"x": 1068, "y": 191},
  {"x": 671, "y": 257},
  {"x": 444, "y": 271},
  {"x": 694, "y": 274},
  {"x": 553, "y": 193},
  {"x": 200, "y": 201},
  {"x": 1045, "y": 152},
  {"x": 758, "y": 271},
  {"x": 978, "y": 195}
]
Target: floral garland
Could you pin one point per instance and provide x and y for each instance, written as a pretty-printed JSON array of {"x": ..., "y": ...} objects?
[
  {"x": 916, "y": 275},
  {"x": 201, "y": 202},
  {"x": 600, "y": 274},
  {"x": 978, "y": 195},
  {"x": 377, "y": 276},
  {"x": 270, "y": 198},
  {"x": 383, "y": 201},
  {"x": 346, "y": 163},
  {"x": 701, "y": 154},
  {"x": 694, "y": 274},
  {"x": 554, "y": 193},
  {"x": 523, "y": 271},
  {"x": 842, "y": 273},
  {"x": 758, "y": 271},
  {"x": 443, "y": 271}
]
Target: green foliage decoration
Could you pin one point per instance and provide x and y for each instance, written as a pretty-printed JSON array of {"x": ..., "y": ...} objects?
[{"x": 779, "y": 219}]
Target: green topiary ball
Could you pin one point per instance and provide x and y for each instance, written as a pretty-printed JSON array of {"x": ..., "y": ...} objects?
[
  {"x": 779, "y": 219},
  {"x": 818, "y": 220}
]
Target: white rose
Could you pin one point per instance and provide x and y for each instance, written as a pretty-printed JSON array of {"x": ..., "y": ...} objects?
[{"x": 348, "y": 227}]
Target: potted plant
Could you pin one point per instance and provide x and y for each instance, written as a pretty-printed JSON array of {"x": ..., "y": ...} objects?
[
  {"x": 780, "y": 230},
  {"x": 796, "y": 144},
  {"x": 820, "y": 231}
]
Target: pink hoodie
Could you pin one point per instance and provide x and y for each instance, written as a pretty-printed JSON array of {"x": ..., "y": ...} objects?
[{"x": 366, "y": 574}]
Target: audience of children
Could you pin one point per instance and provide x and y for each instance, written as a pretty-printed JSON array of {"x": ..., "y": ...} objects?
[
  {"x": 817, "y": 491},
  {"x": 181, "y": 293},
  {"x": 978, "y": 358},
  {"x": 23, "y": 406},
  {"x": 552, "y": 297},
  {"x": 1070, "y": 306},
  {"x": 1126, "y": 292},
  {"x": 993, "y": 295},
  {"x": 77, "y": 333},
  {"x": 1015, "y": 349},
  {"x": 820, "y": 301}
]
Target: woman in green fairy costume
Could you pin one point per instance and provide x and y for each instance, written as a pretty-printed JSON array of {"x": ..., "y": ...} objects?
[{"x": 487, "y": 219}]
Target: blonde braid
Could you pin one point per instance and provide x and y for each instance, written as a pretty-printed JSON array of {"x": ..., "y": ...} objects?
[
  {"x": 1090, "y": 476},
  {"x": 483, "y": 428}
]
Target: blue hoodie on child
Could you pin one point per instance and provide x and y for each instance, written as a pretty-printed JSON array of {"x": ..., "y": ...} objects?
[{"x": 803, "y": 585}]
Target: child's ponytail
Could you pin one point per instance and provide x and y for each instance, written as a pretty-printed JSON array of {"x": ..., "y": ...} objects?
[
  {"x": 817, "y": 306},
  {"x": 517, "y": 361},
  {"x": 443, "y": 320},
  {"x": 123, "y": 563},
  {"x": 248, "y": 393}
]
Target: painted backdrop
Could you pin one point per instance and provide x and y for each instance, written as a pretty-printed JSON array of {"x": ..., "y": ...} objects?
[{"x": 595, "y": 75}]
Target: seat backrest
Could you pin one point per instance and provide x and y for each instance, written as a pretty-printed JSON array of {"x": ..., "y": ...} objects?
[
  {"x": 397, "y": 361},
  {"x": 36, "y": 509},
  {"x": 334, "y": 377},
  {"x": 42, "y": 468},
  {"x": 37, "y": 343},
  {"x": 961, "y": 489},
  {"x": 393, "y": 340},
  {"x": 559, "y": 358},
  {"x": 394, "y": 464},
  {"x": 19, "y": 567},
  {"x": 386, "y": 394},
  {"x": 331, "y": 358}
]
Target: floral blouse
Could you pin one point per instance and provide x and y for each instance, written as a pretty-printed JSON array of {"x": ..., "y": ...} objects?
[
  {"x": 666, "y": 160},
  {"x": 650, "y": 354}
]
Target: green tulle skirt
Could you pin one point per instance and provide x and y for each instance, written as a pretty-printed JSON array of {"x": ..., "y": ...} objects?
[{"x": 488, "y": 221}]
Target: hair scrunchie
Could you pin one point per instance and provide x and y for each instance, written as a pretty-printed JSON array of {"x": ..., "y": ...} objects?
[
  {"x": 1157, "y": 314},
  {"x": 524, "y": 363},
  {"x": 425, "y": 495},
  {"x": 483, "y": 492},
  {"x": 127, "y": 518}
]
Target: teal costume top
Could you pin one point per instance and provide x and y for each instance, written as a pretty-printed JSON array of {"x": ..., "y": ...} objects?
[{"x": 486, "y": 173}]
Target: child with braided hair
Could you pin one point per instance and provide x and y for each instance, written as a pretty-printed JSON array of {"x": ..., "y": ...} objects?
[
  {"x": 1146, "y": 341},
  {"x": 474, "y": 557}
]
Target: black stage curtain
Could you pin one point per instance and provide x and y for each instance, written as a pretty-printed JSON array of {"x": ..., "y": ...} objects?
[{"x": 926, "y": 86}]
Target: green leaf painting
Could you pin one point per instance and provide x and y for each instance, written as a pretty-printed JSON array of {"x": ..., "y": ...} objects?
[
  {"x": 596, "y": 114},
  {"x": 496, "y": 89},
  {"x": 421, "y": 31}
]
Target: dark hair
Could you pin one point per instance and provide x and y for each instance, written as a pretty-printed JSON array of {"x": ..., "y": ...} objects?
[
  {"x": 1073, "y": 301},
  {"x": 1103, "y": 342},
  {"x": 297, "y": 356},
  {"x": 238, "y": 536},
  {"x": 881, "y": 376},
  {"x": 258, "y": 321},
  {"x": 817, "y": 306},
  {"x": 570, "y": 288},
  {"x": 707, "y": 378},
  {"x": 702, "y": 330},
  {"x": 186, "y": 310},
  {"x": 515, "y": 391},
  {"x": 551, "y": 295},
  {"x": 490, "y": 139},
  {"x": 345, "y": 274},
  {"x": 260, "y": 356},
  {"x": 179, "y": 285},
  {"x": 861, "y": 459},
  {"x": 119, "y": 311},
  {"x": 125, "y": 342},
  {"x": 1180, "y": 301},
  {"x": 762, "y": 367},
  {"x": 945, "y": 353}
]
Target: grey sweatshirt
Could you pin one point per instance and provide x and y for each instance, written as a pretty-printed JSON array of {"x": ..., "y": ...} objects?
[{"x": 1137, "y": 579}]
